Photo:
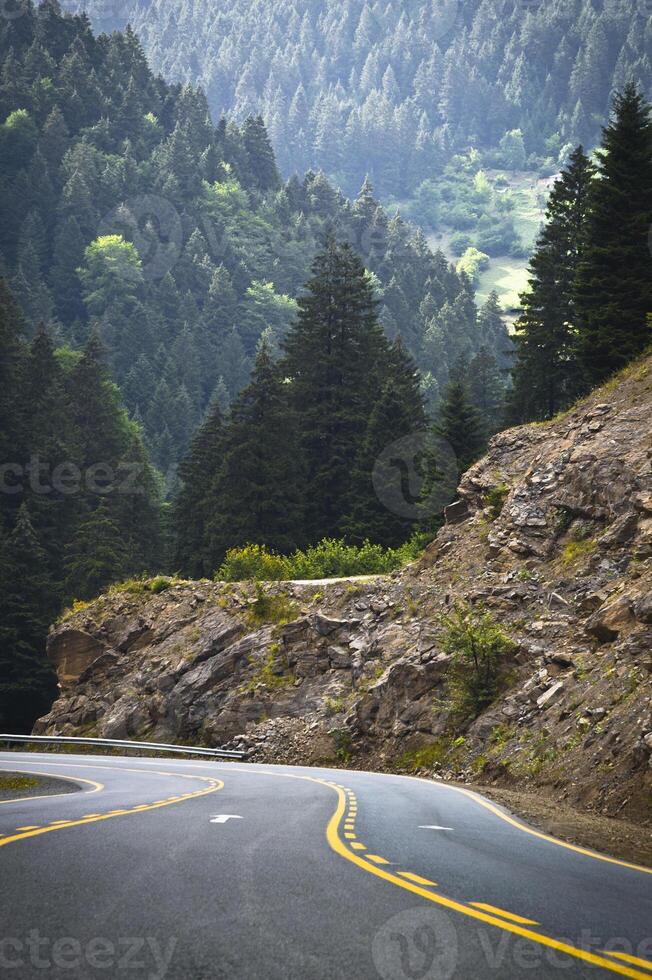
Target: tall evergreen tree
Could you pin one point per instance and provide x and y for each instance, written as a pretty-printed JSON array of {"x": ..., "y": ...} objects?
[
  {"x": 27, "y": 683},
  {"x": 487, "y": 390},
  {"x": 257, "y": 491},
  {"x": 332, "y": 355},
  {"x": 96, "y": 556},
  {"x": 460, "y": 425},
  {"x": 193, "y": 505},
  {"x": 613, "y": 292},
  {"x": 382, "y": 509},
  {"x": 546, "y": 375}
]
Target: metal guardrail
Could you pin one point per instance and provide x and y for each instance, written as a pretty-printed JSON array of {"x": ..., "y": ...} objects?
[{"x": 114, "y": 743}]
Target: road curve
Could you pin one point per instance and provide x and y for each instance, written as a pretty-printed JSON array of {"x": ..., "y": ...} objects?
[{"x": 182, "y": 869}]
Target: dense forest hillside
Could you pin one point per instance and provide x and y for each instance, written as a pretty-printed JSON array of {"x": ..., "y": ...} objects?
[
  {"x": 148, "y": 258},
  {"x": 393, "y": 89},
  {"x": 126, "y": 209}
]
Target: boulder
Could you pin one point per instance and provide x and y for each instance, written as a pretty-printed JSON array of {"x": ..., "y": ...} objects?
[
  {"x": 457, "y": 512},
  {"x": 613, "y": 616},
  {"x": 325, "y": 625},
  {"x": 620, "y": 531},
  {"x": 550, "y": 696},
  {"x": 339, "y": 657},
  {"x": 643, "y": 608},
  {"x": 125, "y": 719}
]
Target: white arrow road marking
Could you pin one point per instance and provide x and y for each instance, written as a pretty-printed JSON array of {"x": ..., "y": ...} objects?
[
  {"x": 433, "y": 826},
  {"x": 223, "y": 817}
]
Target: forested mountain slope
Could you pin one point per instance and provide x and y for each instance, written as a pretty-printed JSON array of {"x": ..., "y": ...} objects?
[
  {"x": 393, "y": 89},
  {"x": 124, "y": 208}
]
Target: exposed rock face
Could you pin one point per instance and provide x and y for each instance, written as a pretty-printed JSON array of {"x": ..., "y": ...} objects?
[
  {"x": 359, "y": 673},
  {"x": 71, "y": 652}
]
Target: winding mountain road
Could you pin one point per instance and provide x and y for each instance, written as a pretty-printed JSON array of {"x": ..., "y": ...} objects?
[{"x": 182, "y": 869}]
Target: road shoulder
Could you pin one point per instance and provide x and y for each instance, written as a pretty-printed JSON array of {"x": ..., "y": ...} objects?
[{"x": 615, "y": 837}]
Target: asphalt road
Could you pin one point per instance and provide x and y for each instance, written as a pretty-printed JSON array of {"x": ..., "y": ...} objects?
[{"x": 182, "y": 869}]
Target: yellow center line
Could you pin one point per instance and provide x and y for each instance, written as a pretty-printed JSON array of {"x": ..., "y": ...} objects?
[
  {"x": 505, "y": 915},
  {"x": 628, "y": 958},
  {"x": 338, "y": 845},
  {"x": 23, "y": 833}
]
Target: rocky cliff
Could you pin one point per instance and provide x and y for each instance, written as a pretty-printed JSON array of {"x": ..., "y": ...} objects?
[{"x": 552, "y": 534}]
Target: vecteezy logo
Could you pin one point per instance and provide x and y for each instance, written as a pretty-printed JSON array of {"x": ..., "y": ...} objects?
[
  {"x": 416, "y": 476},
  {"x": 154, "y": 226},
  {"x": 418, "y": 944}
]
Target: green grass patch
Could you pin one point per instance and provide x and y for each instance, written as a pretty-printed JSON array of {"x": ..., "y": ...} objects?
[
  {"x": 577, "y": 549},
  {"x": 443, "y": 749},
  {"x": 268, "y": 674},
  {"x": 495, "y": 500},
  {"x": 141, "y": 586},
  {"x": 268, "y": 607},
  {"x": 12, "y": 783}
]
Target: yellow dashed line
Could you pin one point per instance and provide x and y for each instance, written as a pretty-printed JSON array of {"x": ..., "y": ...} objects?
[
  {"x": 34, "y": 826},
  {"x": 417, "y": 879},
  {"x": 358, "y": 846},
  {"x": 35, "y": 831},
  {"x": 377, "y": 859},
  {"x": 506, "y": 915},
  {"x": 365, "y": 863},
  {"x": 349, "y": 836}
]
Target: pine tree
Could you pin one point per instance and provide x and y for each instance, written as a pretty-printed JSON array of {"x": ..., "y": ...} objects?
[
  {"x": 257, "y": 491},
  {"x": 546, "y": 374},
  {"x": 487, "y": 390},
  {"x": 12, "y": 372},
  {"x": 27, "y": 683},
  {"x": 460, "y": 425},
  {"x": 96, "y": 556},
  {"x": 192, "y": 506},
  {"x": 52, "y": 445},
  {"x": 613, "y": 293},
  {"x": 386, "y": 475},
  {"x": 331, "y": 355},
  {"x": 262, "y": 165}
]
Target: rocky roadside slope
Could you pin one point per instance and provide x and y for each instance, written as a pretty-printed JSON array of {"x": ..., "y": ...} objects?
[{"x": 552, "y": 534}]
